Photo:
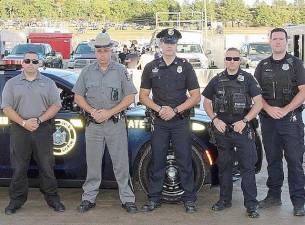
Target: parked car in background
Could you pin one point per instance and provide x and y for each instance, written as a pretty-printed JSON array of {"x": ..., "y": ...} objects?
[
  {"x": 69, "y": 144},
  {"x": 83, "y": 55},
  {"x": 47, "y": 56},
  {"x": 253, "y": 53}
]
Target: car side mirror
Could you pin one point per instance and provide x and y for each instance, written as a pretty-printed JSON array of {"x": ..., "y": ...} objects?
[
  {"x": 6, "y": 52},
  {"x": 72, "y": 53},
  {"x": 208, "y": 52}
]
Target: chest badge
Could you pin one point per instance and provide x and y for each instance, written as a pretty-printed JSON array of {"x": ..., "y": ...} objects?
[
  {"x": 240, "y": 78},
  {"x": 155, "y": 70},
  {"x": 285, "y": 66},
  {"x": 179, "y": 69}
]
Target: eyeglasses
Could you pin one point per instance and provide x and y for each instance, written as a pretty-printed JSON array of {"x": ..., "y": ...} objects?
[
  {"x": 28, "y": 61},
  {"x": 234, "y": 59}
]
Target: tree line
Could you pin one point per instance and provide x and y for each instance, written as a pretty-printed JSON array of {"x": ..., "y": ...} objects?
[{"x": 229, "y": 11}]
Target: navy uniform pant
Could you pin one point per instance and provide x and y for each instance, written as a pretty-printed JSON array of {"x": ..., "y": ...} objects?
[
  {"x": 178, "y": 131},
  {"x": 24, "y": 144},
  {"x": 286, "y": 136},
  {"x": 246, "y": 154}
]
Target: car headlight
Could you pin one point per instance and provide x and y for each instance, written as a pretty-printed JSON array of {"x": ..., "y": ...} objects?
[
  {"x": 77, "y": 123},
  {"x": 198, "y": 126},
  {"x": 3, "y": 120}
]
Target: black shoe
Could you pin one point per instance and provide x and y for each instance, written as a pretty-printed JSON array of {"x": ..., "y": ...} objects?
[
  {"x": 130, "y": 207},
  {"x": 221, "y": 205},
  {"x": 190, "y": 207},
  {"x": 57, "y": 206},
  {"x": 11, "y": 208},
  {"x": 299, "y": 211},
  {"x": 85, "y": 206},
  {"x": 252, "y": 212},
  {"x": 269, "y": 202},
  {"x": 150, "y": 206}
]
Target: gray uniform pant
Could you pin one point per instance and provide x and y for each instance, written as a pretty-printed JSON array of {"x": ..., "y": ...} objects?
[{"x": 115, "y": 136}]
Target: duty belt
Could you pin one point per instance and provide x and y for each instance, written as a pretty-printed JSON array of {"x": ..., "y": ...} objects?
[
  {"x": 180, "y": 115},
  {"x": 115, "y": 118}
]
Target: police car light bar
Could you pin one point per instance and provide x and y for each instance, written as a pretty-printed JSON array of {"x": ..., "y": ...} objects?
[{"x": 8, "y": 64}]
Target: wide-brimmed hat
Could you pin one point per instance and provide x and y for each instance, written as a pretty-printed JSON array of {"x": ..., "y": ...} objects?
[{"x": 102, "y": 40}]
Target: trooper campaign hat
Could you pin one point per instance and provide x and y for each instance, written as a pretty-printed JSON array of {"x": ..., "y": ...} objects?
[
  {"x": 103, "y": 40},
  {"x": 169, "y": 35}
]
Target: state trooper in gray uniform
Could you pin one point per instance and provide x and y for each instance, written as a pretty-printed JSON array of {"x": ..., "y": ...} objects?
[
  {"x": 30, "y": 100},
  {"x": 104, "y": 90}
]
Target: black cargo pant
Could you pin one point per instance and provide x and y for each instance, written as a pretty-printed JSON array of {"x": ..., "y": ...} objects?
[
  {"x": 246, "y": 156},
  {"x": 178, "y": 131},
  {"x": 23, "y": 144}
]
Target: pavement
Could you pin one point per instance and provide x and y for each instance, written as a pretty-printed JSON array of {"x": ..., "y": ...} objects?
[{"x": 108, "y": 210}]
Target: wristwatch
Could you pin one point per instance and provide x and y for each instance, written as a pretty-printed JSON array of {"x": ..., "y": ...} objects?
[
  {"x": 23, "y": 123},
  {"x": 245, "y": 120},
  {"x": 38, "y": 121},
  {"x": 175, "y": 110}
]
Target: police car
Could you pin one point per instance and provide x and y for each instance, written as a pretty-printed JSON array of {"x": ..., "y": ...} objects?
[{"x": 69, "y": 144}]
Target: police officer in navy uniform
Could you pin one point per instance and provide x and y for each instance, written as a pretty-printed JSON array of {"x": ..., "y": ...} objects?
[
  {"x": 282, "y": 78},
  {"x": 228, "y": 102},
  {"x": 169, "y": 78}
]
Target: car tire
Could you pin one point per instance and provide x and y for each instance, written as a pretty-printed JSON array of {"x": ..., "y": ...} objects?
[{"x": 172, "y": 189}]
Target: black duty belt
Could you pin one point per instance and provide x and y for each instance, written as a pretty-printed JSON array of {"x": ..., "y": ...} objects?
[
  {"x": 115, "y": 118},
  {"x": 180, "y": 115}
]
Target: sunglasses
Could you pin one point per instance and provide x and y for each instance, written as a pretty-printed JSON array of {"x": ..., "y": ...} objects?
[
  {"x": 234, "y": 59},
  {"x": 28, "y": 61}
]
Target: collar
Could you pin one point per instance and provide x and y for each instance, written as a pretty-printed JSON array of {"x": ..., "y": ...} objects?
[
  {"x": 280, "y": 60},
  {"x": 234, "y": 75},
  {"x": 162, "y": 63},
  {"x": 23, "y": 77},
  {"x": 110, "y": 66}
]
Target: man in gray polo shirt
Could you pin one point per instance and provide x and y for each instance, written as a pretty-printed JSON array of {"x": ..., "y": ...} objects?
[
  {"x": 104, "y": 90},
  {"x": 30, "y": 100}
]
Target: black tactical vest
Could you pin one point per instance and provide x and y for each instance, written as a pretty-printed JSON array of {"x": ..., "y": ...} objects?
[
  {"x": 279, "y": 85},
  {"x": 231, "y": 95}
]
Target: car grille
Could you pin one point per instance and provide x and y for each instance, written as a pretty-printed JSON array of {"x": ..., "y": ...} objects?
[
  {"x": 195, "y": 62},
  {"x": 80, "y": 63}
]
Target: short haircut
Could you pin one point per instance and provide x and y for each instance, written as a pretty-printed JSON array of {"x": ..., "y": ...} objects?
[
  {"x": 30, "y": 52},
  {"x": 278, "y": 29},
  {"x": 232, "y": 49}
]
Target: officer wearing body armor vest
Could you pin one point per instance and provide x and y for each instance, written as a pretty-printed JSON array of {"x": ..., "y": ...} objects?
[
  {"x": 228, "y": 102},
  {"x": 282, "y": 78}
]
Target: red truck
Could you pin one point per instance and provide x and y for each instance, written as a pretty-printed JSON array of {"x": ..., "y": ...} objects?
[{"x": 60, "y": 42}]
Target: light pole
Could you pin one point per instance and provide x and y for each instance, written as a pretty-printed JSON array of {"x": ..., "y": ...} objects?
[{"x": 205, "y": 23}]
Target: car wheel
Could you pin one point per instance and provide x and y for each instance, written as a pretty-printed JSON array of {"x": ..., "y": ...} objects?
[{"x": 172, "y": 189}]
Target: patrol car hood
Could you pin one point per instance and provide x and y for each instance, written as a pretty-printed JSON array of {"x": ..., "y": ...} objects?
[
  {"x": 257, "y": 57},
  {"x": 84, "y": 56}
]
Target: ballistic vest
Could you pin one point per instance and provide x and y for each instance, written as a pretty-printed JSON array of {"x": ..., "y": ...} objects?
[
  {"x": 232, "y": 94},
  {"x": 279, "y": 84}
]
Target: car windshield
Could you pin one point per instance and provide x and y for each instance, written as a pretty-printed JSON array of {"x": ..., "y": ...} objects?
[
  {"x": 22, "y": 49},
  {"x": 189, "y": 48},
  {"x": 84, "y": 49},
  {"x": 259, "y": 49}
]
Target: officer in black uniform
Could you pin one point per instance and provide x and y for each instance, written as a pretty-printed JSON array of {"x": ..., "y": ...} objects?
[
  {"x": 228, "y": 100},
  {"x": 282, "y": 78},
  {"x": 170, "y": 78}
]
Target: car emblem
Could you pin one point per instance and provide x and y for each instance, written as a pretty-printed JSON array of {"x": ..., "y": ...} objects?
[
  {"x": 240, "y": 78},
  {"x": 285, "y": 66},
  {"x": 64, "y": 138},
  {"x": 179, "y": 69},
  {"x": 170, "y": 32},
  {"x": 155, "y": 70}
]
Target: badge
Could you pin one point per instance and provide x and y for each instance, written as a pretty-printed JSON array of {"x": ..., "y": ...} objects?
[
  {"x": 285, "y": 66},
  {"x": 240, "y": 78},
  {"x": 155, "y": 70},
  {"x": 179, "y": 69},
  {"x": 170, "y": 32},
  {"x": 127, "y": 75}
]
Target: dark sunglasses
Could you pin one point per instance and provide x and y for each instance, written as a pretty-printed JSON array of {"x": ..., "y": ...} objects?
[
  {"x": 28, "y": 61},
  {"x": 234, "y": 59}
]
